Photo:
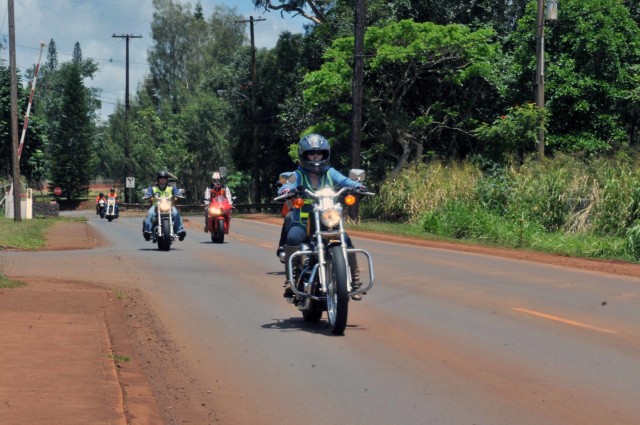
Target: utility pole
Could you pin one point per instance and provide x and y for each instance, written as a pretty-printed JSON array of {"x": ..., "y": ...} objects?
[
  {"x": 127, "y": 150},
  {"x": 255, "y": 173},
  {"x": 358, "y": 76},
  {"x": 357, "y": 91},
  {"x": 17, "y": 213},
  {"x": 551, "y": 14}
]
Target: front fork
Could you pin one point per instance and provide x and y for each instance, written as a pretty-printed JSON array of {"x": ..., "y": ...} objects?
[
  {"x": 322, "y": 262},
  {"x": 159, "y": 222}
]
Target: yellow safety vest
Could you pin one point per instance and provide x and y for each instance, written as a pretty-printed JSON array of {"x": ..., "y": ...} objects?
[{"x": 167, "y": 193}]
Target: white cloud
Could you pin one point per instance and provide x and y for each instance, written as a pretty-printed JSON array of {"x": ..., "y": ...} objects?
[{"x": 92, "y": 23}]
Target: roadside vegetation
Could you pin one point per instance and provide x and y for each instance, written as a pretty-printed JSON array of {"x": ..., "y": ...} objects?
[
  {"x": 587, "y": 208},
  {"x": 27, "y": 234}
]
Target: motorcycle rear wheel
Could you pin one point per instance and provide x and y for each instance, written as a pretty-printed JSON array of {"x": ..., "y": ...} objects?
[{"x": 337, "y": 291}]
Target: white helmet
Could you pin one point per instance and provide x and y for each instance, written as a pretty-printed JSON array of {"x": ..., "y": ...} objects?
[{"x": 216, "y": 179}]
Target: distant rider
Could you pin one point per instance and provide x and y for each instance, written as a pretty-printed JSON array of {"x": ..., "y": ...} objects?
[
  {"x": 114, "y": 195},
  {"x": 162, "y": 187},
  {"x": 287, "y": 214},
  {"x": 215, "y": 189},
  {"x": 98, "y": 206}
]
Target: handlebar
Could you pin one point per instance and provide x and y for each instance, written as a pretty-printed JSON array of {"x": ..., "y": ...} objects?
[{"x": 311, "y": 193}]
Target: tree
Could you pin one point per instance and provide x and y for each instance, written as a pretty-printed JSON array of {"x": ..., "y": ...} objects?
[
  {"x": 71, "y": 147},
  {"x": 185, "y": 47},
  {"x": 167, "y": 56},
  {"x": 32, "y": 160},
  {"x": 592, "y": 56},
  {"x": 317, "y": 9},
  {"x": 414, "y": 76}
]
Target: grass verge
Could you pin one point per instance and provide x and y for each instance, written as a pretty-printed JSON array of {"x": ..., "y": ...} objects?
[
  {"x": 27, "y": 234},
  {"x": 6, "y": 283},
  {"x": 579, "y": 245}
]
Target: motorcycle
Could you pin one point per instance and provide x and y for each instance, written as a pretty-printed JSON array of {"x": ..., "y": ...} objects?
[
  {"x": 320, "y": 271},
  {"x": 101, "y": 205},
  {"x": 110, "y": 211},
  {"x": 219, "y": 218},
  {"x": 162, "y": 226}
]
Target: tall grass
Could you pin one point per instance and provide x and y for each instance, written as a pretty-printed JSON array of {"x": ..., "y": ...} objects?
[
  {"x": 424, "y": 187},
  {"x": 563, "y": 205}
]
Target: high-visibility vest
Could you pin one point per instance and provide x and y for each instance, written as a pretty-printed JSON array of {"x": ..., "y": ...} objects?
[{"x": 167, "y": 193}]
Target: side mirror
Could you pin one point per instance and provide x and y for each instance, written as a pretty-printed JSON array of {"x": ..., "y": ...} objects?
[
  {"x": 284, "y": 177},
  {"x": 357, "y": 175}
]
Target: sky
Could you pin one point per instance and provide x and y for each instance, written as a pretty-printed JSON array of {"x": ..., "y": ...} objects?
[{"x": 93, "y": 23}]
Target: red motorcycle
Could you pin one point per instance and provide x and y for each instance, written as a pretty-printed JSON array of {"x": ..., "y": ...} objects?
[{"x": 218, "y": 218}]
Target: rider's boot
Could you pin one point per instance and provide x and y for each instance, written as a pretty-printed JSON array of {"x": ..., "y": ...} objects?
[
  {"x": 288, "y": 292},
  {"x": 281, "y": 254},
  {"x": 145, "y": 233},
  {"x": 355, "y": 277}
]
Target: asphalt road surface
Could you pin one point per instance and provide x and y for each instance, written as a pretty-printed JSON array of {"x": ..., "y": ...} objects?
[{"x": 444, "y": 337}]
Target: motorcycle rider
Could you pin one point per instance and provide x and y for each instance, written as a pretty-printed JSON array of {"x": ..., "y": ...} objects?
[
  {"x": 162, "y": 187},
  {"x": 215, "y": 189},
  {"x": 98, "y": 199},
  {"x": 314, "y": 172},
  {"x": 113, "y": 195},
  {"x": 287, "y": 217}
]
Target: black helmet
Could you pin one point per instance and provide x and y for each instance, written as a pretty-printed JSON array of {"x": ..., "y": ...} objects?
[
  {"x": 101, "y": 194},
  {"x": 162, "y": 175},
  {"x": 314, "y": 143}
]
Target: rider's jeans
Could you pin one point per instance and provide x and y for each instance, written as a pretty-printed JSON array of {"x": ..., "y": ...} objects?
[{"x": 175, "y": 217}]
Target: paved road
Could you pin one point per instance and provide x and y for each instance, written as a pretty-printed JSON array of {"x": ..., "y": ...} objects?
[{"x": 444, "y": 338}]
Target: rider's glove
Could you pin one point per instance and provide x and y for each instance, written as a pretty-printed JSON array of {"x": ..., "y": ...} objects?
[
  {"x": 362, "y": 188},
  {"x": 284, "y": 191}
]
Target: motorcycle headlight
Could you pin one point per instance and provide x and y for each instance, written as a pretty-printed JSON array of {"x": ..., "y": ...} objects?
[
  {"x": 330, "y": 217},
  {"x": 164, "y": 206},
  {"x": 215, "y": 211}
]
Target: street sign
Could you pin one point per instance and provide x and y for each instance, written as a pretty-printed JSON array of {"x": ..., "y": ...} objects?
[
  {"x": 57, "y": 191},
  {"x": 130, "y": 182}
]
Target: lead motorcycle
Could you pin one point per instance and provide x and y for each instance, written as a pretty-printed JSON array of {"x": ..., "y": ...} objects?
[
  {"x": 320, "y": 270},
  {"x": 162, "y": 226}
]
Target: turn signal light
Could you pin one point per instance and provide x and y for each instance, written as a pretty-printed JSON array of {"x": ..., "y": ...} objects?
[
  {"x": 298, "y": 203},
  {"x": 349, "y": 200}
]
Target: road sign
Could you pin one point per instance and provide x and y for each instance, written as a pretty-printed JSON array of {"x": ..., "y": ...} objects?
[
  {"x": 57, "y": 191},
  {"x": 130, "y": 182}
]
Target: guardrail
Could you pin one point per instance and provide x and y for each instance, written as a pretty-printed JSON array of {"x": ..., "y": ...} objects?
[{"x": 196, "y": 208}]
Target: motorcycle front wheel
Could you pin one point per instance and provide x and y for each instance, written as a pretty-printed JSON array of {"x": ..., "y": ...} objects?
[
  {"x": 220, "y": 231},
  {"x": 164, "y": 242},
  {"x": 337, "y": 291}
]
